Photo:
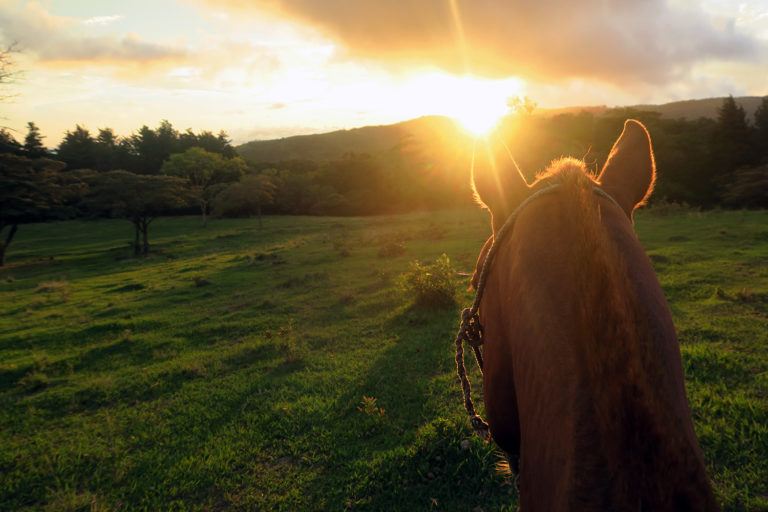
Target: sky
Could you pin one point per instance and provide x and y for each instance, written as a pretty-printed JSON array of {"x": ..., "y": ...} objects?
[{"x": 262, "y": 69}]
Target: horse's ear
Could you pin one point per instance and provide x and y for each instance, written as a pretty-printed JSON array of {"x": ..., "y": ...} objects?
[
  {"x": 498, "y": 183},
  {"x": 630, "y": 171}
]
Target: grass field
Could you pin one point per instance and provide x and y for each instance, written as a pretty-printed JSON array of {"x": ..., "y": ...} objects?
[{"x": 281, "y": 369}]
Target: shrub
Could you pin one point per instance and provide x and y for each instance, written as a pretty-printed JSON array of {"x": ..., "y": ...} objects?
[
  {"x": 369, "y": 407},
  {"x": 373, "y": 420},
  {"x": 664, "y": 208},
  {"x": 432, "y": 285}
]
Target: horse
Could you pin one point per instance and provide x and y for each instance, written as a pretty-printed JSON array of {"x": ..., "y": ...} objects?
[{"x": 583, "y": 383}]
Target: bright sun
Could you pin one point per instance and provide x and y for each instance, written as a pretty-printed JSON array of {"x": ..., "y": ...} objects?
[
  {"x": 478, "y": 105},
  {"x": 479, "y": 117}
]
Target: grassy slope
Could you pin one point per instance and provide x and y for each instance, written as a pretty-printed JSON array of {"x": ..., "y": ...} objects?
[{"x": 127, "y": 383}]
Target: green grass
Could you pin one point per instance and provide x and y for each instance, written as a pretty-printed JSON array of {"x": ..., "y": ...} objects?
[{"x": 281, "y": 369}]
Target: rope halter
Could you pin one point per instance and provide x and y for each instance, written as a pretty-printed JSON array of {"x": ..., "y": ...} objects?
[{"x": 470, "y": 328}]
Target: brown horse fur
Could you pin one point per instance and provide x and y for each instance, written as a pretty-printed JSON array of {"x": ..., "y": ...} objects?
[{"x": 583, "y": 377}]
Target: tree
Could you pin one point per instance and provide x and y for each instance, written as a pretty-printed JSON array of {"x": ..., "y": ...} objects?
[
  {"x": 7, "y": 65},
  {"x": 8, "y": 143},
  {"x": 208, "y": 141},
  {"x": 33, "y": 142},
  {"x": 522, "y": 105},
  {"x": 731, "y": 146},
  {"x": 297, "y": 193},
  {"x": 78, "y": 149},
  {"x": 246, "y": 197},
  {"x": 153, "y": 147},
  {"x": 215, "y": 143},
  {"x": 145, "y": 147},
  {"x": 761, "y": 128},
  {"x": 32, "y": 191},
  {"x": 138, "y": 198},
  {"x": 749, "y": 188},
  {"x": 106, "y": 150},
  {"x": 206, "y": 173}
]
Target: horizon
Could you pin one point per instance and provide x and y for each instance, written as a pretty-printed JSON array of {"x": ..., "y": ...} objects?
[{"x": 267, "y": 70}]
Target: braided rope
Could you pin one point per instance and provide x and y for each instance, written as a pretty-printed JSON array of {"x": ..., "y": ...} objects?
[{"x": 470, "y": 328}]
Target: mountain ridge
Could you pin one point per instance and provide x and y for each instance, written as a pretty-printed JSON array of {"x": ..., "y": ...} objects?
[{"x": 378, "y": 138}]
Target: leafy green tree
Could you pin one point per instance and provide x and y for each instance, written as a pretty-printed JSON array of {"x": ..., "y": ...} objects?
[
  {"x": 33, "y": 142},
  {"x": 206, "y": 173},
  {"x": 32, "y": 190},
  {"x": 246, "y": 197},
  {"x": 78, "y": 149},
  {"x": 136, "y": 197}
]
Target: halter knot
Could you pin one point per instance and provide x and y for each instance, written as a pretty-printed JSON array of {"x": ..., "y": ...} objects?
[{"x": 471, "y": 328}]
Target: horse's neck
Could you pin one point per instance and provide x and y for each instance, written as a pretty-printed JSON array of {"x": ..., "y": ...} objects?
[{"x": 602, "y": 322}]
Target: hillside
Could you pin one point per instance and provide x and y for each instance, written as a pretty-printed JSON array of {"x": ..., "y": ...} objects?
[
  {"x": 694, "y": 109},
  {"x": 377, "y": 139},
  {"x": 368, "y": 139},
  {"x": 686, "y": 109}
]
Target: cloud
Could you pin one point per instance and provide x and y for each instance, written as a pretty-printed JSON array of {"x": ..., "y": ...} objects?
[
  {"x": 59, "y": 39},
  {"x": 102, "y": 20},
  {"x": 622, "y": 41}
]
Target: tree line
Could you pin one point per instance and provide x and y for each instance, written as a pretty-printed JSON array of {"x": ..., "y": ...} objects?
[
  {"x": 720, "y": 162},
  {"x": 140, "y": 177}
]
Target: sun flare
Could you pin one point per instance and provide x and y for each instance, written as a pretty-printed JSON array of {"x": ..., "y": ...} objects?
[
  {"x": 478, "y": 105},
  {"x": 479, "y": 117}
]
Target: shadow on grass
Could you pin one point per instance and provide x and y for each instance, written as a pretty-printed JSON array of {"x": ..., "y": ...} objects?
[{"x": 408, "y": 456}]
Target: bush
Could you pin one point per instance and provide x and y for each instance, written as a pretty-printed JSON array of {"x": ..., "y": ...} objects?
[
  {"x": 664, "y": 208},
  {"x": 432, "y": 285},
  {"x": 749, "y": 188}
]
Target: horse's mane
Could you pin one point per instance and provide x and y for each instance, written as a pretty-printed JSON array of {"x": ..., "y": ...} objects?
[{"x": 615, "y": 349}]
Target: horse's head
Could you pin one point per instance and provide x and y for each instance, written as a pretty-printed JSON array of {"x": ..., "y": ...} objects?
[
  {"x": 628, "y": 175},
  {"x": 582, "y": 375}
]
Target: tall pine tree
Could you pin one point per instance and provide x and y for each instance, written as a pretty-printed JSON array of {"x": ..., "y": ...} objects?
[
  {"x": 731, "y": 147},
  {"x": 33, "y": 142},
  {"x": 78, "y": 149},
  {"x": 761, "y": 130}
]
